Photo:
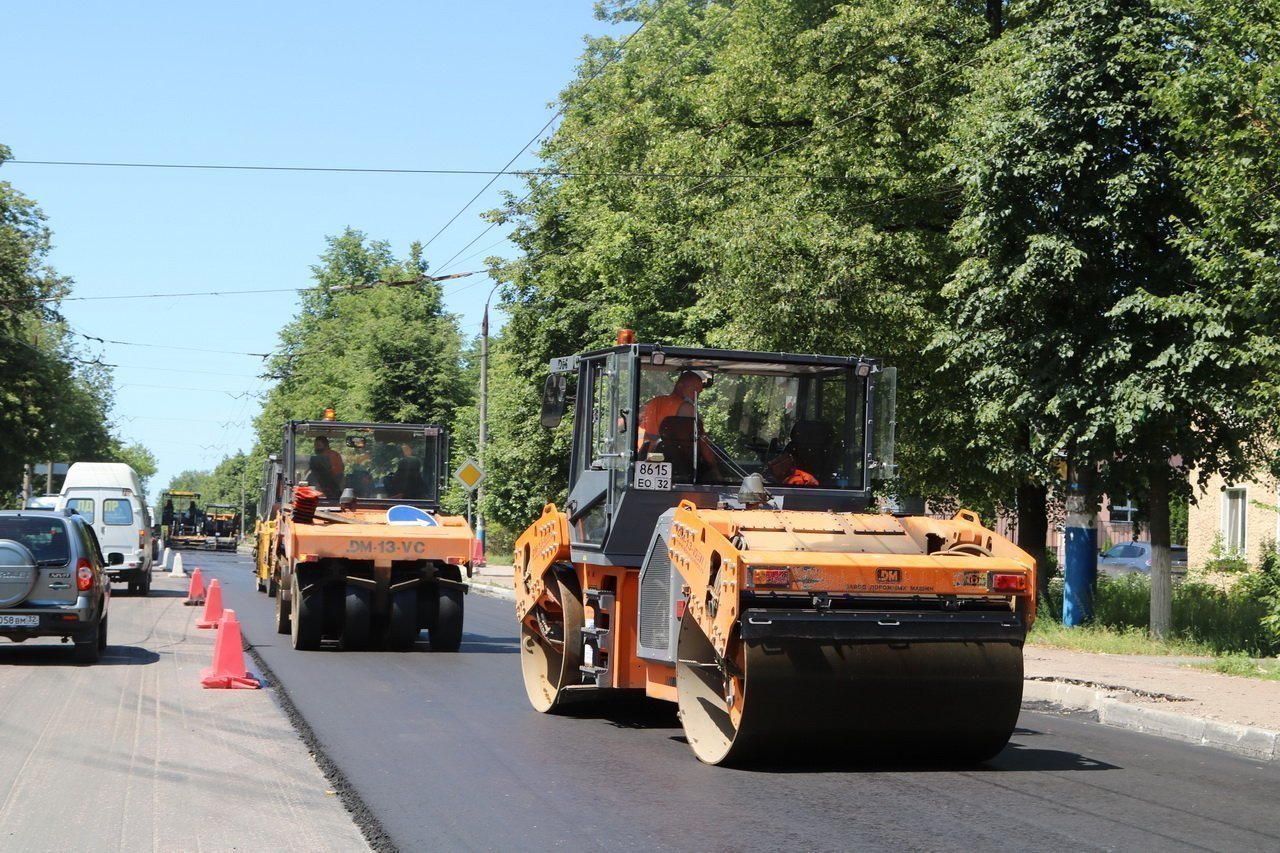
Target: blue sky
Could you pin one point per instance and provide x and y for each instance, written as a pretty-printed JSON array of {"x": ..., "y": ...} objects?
[{"x": 426, "y": 85}]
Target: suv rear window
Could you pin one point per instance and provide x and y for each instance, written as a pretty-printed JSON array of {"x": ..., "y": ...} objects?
[{"x": 46, "y": 538}]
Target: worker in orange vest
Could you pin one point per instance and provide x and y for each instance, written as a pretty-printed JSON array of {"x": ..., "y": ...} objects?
[
  {"x": 784, "y": 471},
  {"x": 681, "y": 402}
]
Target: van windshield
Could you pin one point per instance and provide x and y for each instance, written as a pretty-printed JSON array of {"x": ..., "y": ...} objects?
[{"x": 45, "y": 538}]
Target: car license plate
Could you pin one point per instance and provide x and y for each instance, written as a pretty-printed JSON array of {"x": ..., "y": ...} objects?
[
  {"x": 653, "y": 476},
  {"x": 14, "y": 621}
]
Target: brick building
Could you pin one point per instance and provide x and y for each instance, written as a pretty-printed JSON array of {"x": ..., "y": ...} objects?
[{"x": 1243, "y": 514}]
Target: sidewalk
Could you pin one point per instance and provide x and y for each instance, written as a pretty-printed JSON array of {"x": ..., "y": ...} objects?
[
  {"x": 1165, "y": 696},
  {"x": 133, "y": 754}
]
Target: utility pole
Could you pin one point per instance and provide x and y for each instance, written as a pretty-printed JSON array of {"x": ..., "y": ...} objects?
[
  {"x": 483, "y": 438},
  {"x": 1080, "y": 572}
]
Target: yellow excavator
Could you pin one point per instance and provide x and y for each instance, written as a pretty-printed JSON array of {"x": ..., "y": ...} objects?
[{"x": 720, "y": 549}]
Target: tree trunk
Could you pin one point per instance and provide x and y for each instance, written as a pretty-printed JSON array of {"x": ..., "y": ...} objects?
[
  {"x": 1161, "y": 578},
  {"x": 1033, "y": 531},
  {"x": 995, "y": 18}
]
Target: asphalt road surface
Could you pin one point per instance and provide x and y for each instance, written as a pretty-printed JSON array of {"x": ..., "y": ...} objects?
[{"x": 447, "y": 754}]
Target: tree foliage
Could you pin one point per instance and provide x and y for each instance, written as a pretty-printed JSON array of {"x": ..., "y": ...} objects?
[
  {"x": 766, "y": 175},
  {"x": 377, "y": 353},
  {"x": 53, "y": 404},
  {"x": 372, "y": 341}
]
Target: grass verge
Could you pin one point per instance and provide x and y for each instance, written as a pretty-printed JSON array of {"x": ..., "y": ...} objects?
[
  {"x": 1267, "y": 668},
  {"x": 1110, "y": 641},
  {"x": 1134, "y": 641}
]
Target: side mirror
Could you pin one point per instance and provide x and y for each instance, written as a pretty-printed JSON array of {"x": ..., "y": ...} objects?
[{"x": 553, "y": 400}]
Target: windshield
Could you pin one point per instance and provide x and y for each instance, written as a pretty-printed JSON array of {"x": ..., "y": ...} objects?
[
  {"x": 374, "y": 462},
  {"x": 797, "y": 427}
]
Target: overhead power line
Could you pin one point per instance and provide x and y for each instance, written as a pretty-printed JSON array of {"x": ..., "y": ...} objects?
[
  {"x": 648, "y": 88},
  {"x": 550, "y": 121},
  {"x": 523, "y": 173},
  {"x": 179, "y": 294}
]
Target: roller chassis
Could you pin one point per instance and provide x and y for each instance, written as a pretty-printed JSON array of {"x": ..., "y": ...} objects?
[
  {"x": 774, "y": 630},
  {"x": 346, "y": 574}
]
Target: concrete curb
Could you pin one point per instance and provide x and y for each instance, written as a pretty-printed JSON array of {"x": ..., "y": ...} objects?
[
  {"x": 491, "y": 589},
  {"x": 1114, "y": 707}
]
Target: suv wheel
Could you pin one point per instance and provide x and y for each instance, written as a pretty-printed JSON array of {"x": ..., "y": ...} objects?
[{"x": 89, "y": 645}]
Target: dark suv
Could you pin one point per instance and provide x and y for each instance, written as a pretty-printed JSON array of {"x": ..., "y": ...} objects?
[{"x": 53, "y": 580}]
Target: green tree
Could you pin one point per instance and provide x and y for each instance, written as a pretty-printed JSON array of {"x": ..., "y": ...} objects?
[
  {"x": 53, "y": 406},
  {"x": 1079, "y": 322},
  {"x": 384, "y": 353},
  {"x": 139, "y": 458},
  {"x": 1221, "y": 102},
  {"x": 762, "y": 176}
]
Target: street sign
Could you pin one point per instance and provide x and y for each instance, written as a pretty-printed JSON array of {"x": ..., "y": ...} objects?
[{"x": 469, "y": 475}]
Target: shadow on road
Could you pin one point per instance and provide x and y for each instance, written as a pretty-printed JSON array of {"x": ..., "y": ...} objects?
[
  {"x": 60, "y": 655},
  {"x": 478, "y": 644},
  {"x": 155, "y": 593},
  {"x": 872, "y": 758},
  {"x": 623, "y": 711}
]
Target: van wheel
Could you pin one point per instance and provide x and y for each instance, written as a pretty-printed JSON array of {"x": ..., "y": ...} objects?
[{"x": 144, "y": 586}]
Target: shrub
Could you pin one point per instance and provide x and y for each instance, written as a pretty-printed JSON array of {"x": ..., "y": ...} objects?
[
  {"x": 1123, "y": 602},
  {"x": 1244, "y": 620},
  {"x": 1050, "y": 607},
  {"x": 1223, "y": 560}
]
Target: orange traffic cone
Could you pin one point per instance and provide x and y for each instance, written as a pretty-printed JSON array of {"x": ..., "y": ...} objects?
[
  {"x": 228, "y": 670},
  {"x": 477, "y": 553},
  {"x": 212, "y": 606},
  {"x": 195, "y": 593}
]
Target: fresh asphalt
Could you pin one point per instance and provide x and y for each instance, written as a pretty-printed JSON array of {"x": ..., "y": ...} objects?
[{"x": 442, "y": 751}]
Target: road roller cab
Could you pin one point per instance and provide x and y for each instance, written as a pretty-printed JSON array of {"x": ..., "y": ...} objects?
[{"x": 717, "y": 550}]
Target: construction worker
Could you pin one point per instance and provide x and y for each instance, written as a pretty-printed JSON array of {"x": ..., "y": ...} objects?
[
  {"x": 681, "y": 403},
  {"x": 784, "y": 471},
  {"x": 333, "y": 457}
]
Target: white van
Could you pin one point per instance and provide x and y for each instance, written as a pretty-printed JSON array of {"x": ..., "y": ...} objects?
[{"x": 108, "y": 495}]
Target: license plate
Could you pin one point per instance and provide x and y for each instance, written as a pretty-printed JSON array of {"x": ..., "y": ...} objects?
[
  {"x": 14, "y": 621},
  {"x": 653, "y": 476}
]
